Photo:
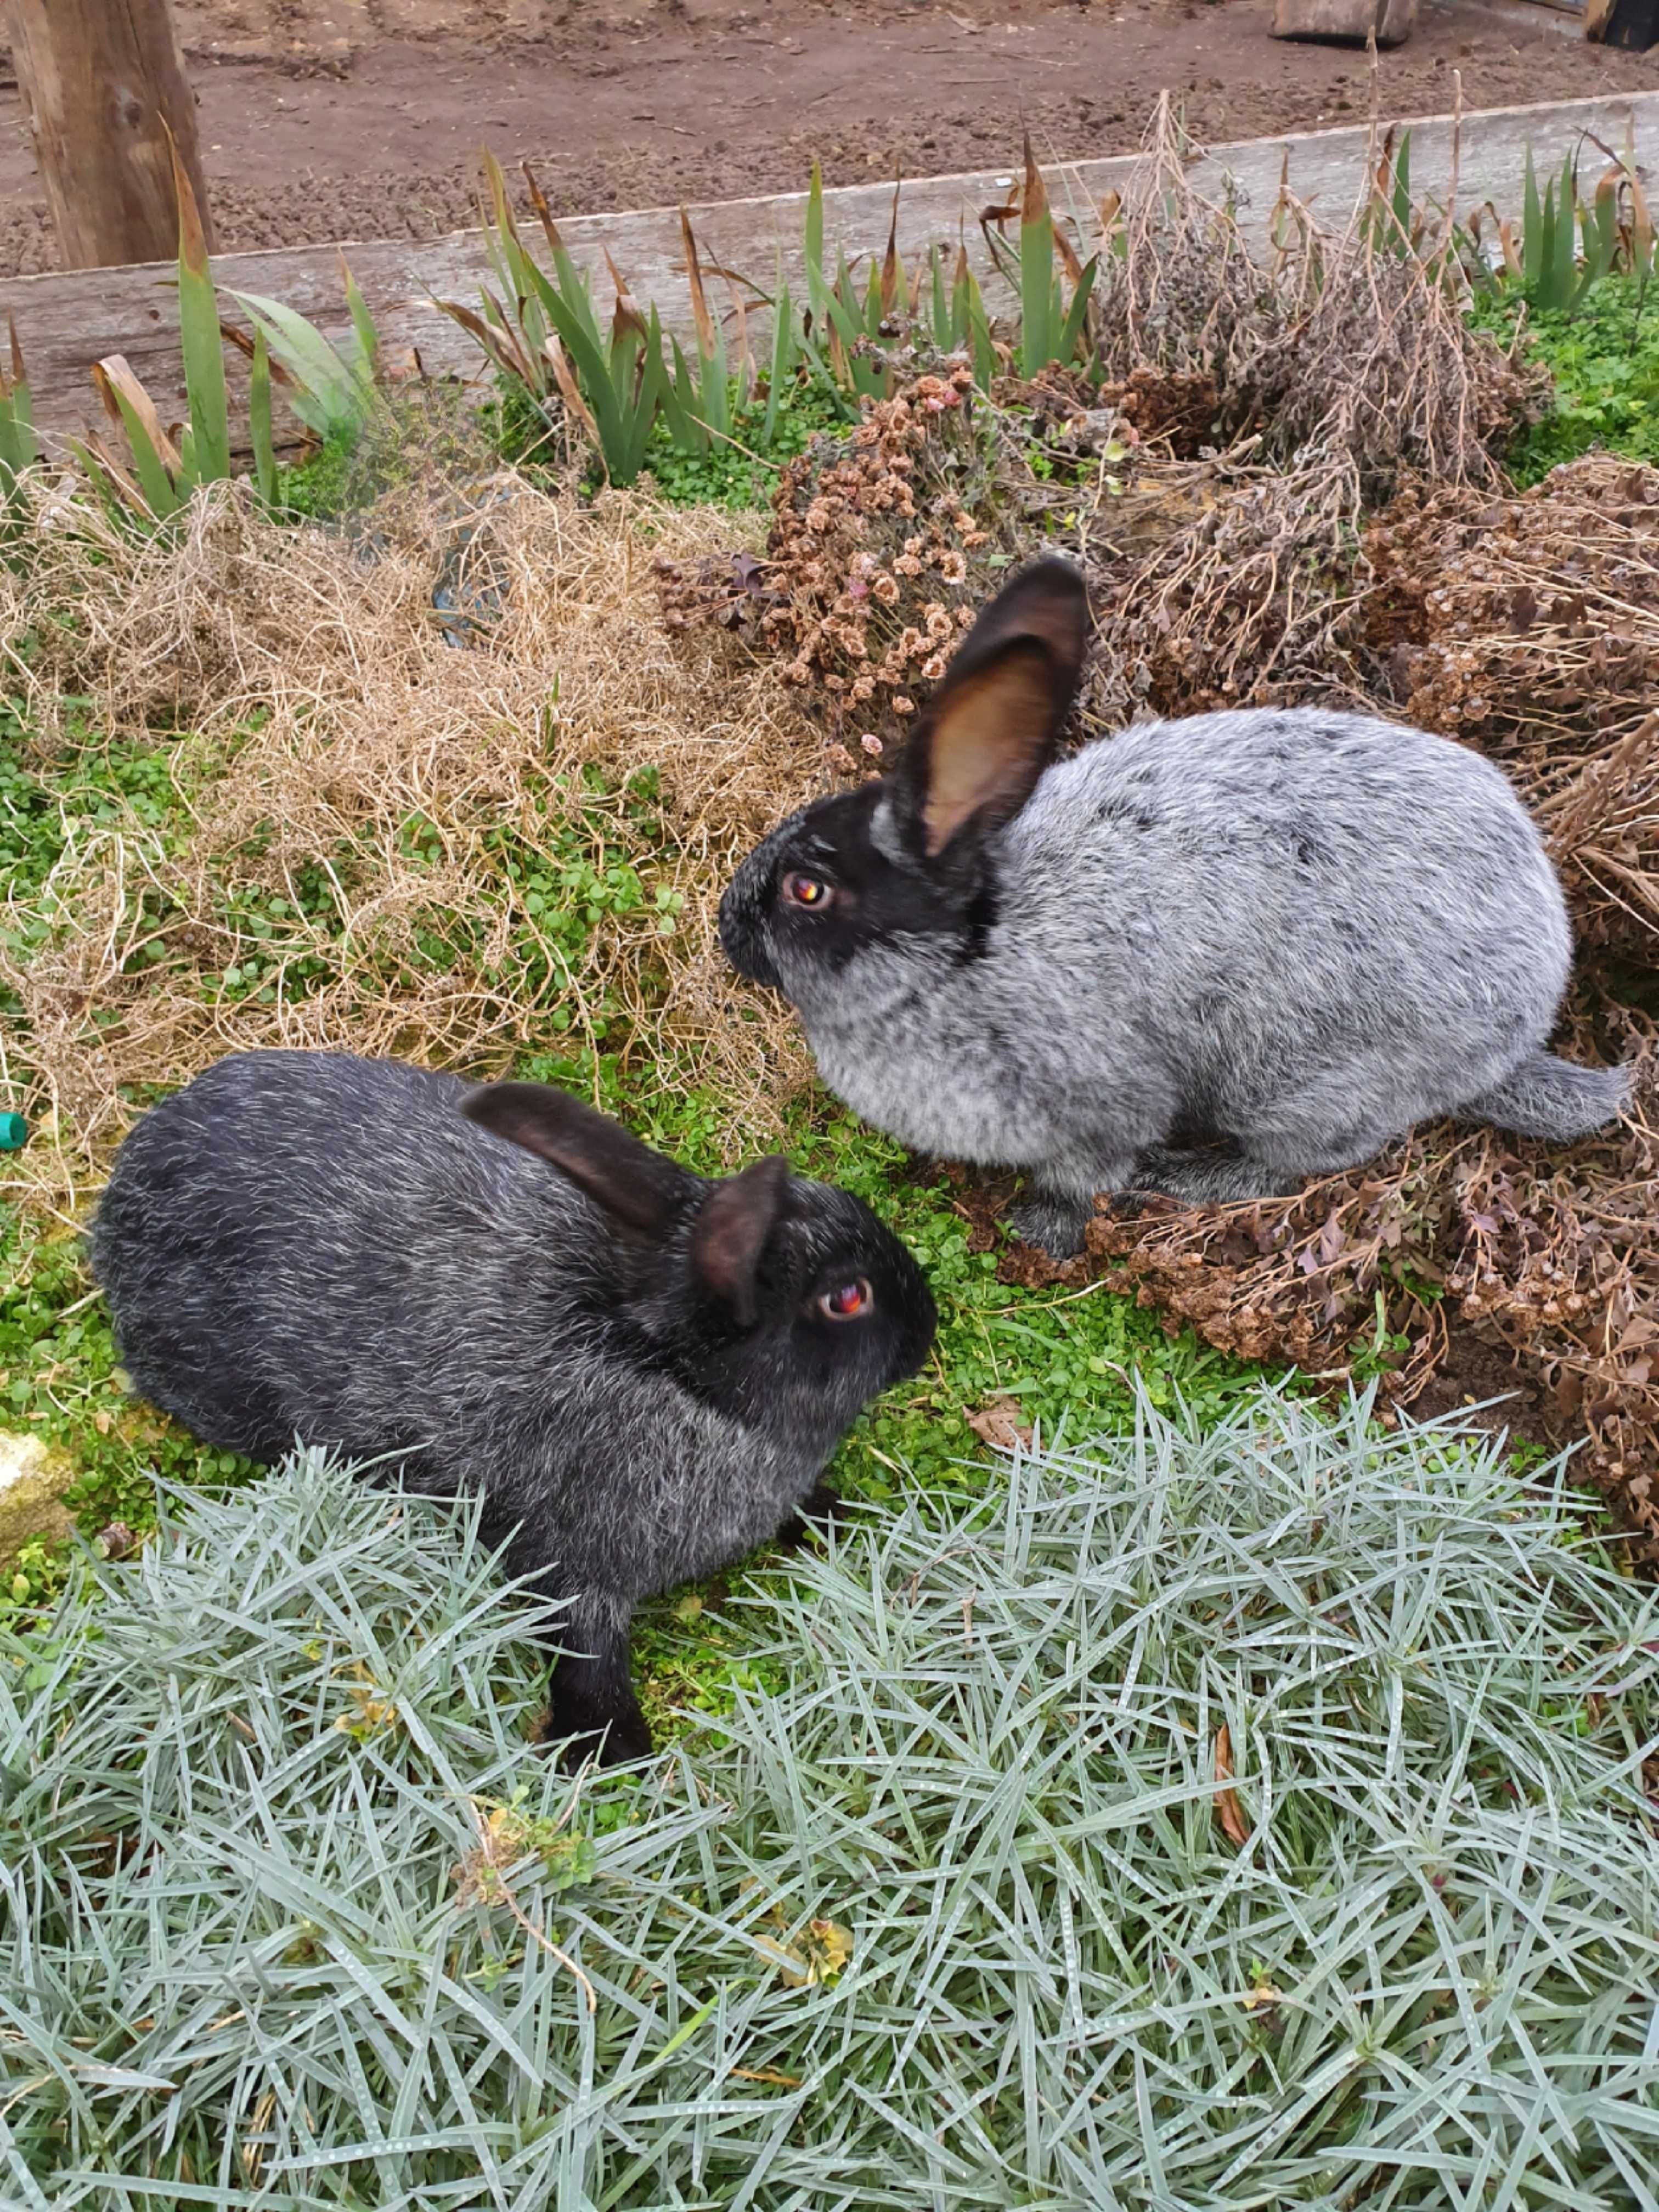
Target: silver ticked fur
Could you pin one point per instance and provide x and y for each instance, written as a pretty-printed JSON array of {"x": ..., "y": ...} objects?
[
  {"x": 1210, "y": 957},
  {"x": 502, "y": 1291}
]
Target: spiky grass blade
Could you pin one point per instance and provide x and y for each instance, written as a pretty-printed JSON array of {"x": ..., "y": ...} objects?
[
  {"x": 111, "y": 482},
  {"x": 1400, "y": 203},
  {"x": 499, "y": 344},
  {"x": 892, "y": 272},
  {"x": 1071, "y": 333},
  {"x": 260, "y": 422},
  {"x": 950, "y": 1914},
  {"x": 781, "y": 369},
  {"x": 157, "y": 462},
  {"x": 983, "y": 346},
  {"x": 1036, "y": 260},
  {"x": 813, "y": 254},
  {"x": 703, "y": 321},
  {"x": 198, "y": 332},
  {"x": 938, "y": 300},
  {"x": 570, "y": 391},
  {"x": 682, "y": 405},
  {"x": 362, "y": 323},
  {"x": 330, "y": 394},
  {"x": 1532, "y": 227},
  {"x": 18, "y": 446}
]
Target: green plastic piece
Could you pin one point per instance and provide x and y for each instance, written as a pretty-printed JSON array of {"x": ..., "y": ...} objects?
[{"x": 14, "y": 1133}]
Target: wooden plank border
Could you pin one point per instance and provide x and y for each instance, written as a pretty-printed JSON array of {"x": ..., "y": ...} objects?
[{"x": 67, "y": 320}]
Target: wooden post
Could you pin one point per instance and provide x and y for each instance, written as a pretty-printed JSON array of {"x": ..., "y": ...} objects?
[{"x": 99, "y": 80}]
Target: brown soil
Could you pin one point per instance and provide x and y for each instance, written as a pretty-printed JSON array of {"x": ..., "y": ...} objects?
[{"x": 361, "y": 118}]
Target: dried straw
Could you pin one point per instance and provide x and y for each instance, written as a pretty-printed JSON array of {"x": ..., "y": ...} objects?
[{"x": 331, "y": 729}]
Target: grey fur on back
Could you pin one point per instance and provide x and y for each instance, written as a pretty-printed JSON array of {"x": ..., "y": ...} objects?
[{"x": 1212, "y": 957}]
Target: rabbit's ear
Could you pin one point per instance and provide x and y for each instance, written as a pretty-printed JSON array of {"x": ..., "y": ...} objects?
[
  {"x": 731, "y": 1232},
  {"x": 637, "y": 1186},
  {"x": 990, "y": 729}
]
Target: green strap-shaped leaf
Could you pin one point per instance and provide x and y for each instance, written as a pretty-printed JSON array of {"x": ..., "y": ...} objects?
[
  {"x": 816, "y": 287},
  {"x": 782, "y": 365},
  {"x": 1532, "y": 227},
  {"x": 199, "y": 340},
  {"x": 330, "y": 393},
  {"x": 678, "y": 399},
  {"x": 1402, "y": 193},
  {"x": 155, "y": 484},
  {"x": 1036, "y": 261},
  {"x": 985, "y": 353},
  {"x": 939, "y": 302},
  {"x": 717, "y": 386},
  {"x": 258, "y": 409},
  {"x": 17, "y": 412},
  {"x": 1071, "y": 331},
  {"x": 362, "y": 323},
  {"x": 594, "y": 376}
]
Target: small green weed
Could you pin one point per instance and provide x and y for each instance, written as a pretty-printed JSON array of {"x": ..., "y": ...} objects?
[
  {"x": 737, "y": 471},
  {"x": 733, "y": 474},
  {"x": 1603, "y": 359}
]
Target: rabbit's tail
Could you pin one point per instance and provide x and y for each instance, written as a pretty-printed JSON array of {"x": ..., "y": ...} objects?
[{"x": 1548, "y": 1098}]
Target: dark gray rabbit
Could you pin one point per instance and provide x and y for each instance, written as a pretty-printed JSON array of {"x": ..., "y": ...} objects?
[
  {"x": 1210, "y": 957},
  {"x": 643, "y": 1371}
]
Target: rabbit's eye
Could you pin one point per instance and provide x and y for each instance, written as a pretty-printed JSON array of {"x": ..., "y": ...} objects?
[
  {"x": 847, "y": 1302},
  {"x": 805, "y": 891}
]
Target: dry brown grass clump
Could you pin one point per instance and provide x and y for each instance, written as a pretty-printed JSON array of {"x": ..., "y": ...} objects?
[
  {"x": 1452, "y": 1244},
  {"x": 1352, "y": 341},
  {"x": 1529, "y": 626},
  {"x": 1226, "y": 583},
  {"x": 368, "y": 809},
  {"x": 882, "y": 546}
]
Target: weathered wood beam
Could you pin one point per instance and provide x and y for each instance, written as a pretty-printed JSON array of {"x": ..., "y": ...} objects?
[{"x": 69, "y": 320}]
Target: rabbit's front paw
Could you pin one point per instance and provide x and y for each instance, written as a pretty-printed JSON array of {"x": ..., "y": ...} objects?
[
  {"x": 593, "y": 1712},
  {"x": 1053, "y": 1225},
  {"x": 820, "y": 1504},
  {"x": 624, "y": 1738}
]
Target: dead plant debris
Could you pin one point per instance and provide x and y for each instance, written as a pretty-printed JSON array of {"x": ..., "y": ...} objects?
[
  {"x": 1528, "y": 626},
  {"x": 369, "y": 806},
  {"x": 883, "y": 543}
]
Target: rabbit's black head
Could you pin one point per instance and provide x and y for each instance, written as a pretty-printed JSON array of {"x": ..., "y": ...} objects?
[
  {"x": 782, "y": 1301},
  {"x": 912, "y": 857}
]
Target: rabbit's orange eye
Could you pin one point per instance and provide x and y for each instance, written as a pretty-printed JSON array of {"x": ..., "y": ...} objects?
[
  {"x": 847, "y": 1302},
  {"x": 805, "y": 891}
]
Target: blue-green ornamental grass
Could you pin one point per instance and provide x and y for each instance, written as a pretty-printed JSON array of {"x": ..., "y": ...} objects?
[{"x": 1252, "y": 1818}]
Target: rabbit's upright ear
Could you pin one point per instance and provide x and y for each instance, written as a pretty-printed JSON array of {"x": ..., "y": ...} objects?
[
  {"x": 990, "y": 729},
  {"x": 731, "y": 1232},
  {"x": 638, "y": 1188}
]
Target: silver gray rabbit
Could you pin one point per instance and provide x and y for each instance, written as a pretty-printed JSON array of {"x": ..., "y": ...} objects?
[{"x": 1210, "y": 957}]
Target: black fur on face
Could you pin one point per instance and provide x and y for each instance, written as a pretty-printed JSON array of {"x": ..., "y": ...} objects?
[
  {"x": 781, "y": 1301},
  {"x": 844, "y": 1312},
  {"x": 915, "y": 856},
  {"x": 870, "y": 897}
]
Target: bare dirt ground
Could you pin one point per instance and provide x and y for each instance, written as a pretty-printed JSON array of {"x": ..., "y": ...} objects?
[{"x": 362, "y": 118}]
